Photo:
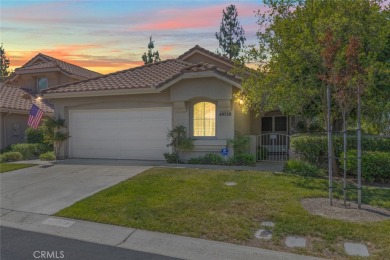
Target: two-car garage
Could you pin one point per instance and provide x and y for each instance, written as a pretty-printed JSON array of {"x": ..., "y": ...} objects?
[{"x": 136, "y": 133}]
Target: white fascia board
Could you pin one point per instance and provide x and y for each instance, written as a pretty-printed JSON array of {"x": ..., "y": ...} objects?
[{"x": 99, "y": 93}]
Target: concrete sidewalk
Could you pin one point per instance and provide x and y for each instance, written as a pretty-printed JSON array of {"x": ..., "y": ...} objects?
[{"x": 135, "y": 239}]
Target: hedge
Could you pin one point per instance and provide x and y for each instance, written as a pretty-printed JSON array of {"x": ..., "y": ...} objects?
[
  {"x": 48, "y": 156},
  {"x": 301, "y": 168},
  {"x": 314, "y": 148},
  {"x": 10, "y": 157},
  {"x": 375, "y": 165}
]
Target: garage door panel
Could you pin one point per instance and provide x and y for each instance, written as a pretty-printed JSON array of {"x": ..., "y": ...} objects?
[{"x": 120, "y": 134}]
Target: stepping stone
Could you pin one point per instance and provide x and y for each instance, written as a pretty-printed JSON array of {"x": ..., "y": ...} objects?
[
  {"x": 356, "y": 249},
  {"x": 268, "y": 224},
  {"x": 295, "y": 241},
  {"x": 230, "y": 183},
  {"x": 263, "y": 234}
]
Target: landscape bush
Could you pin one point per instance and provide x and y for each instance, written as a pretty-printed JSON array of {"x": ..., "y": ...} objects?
[
  {"x": 314, "y": 148},
  {"x": 28, "y": 151},
  {"x": 215, "y": 159},
  {"x": 302, "y": 168},
  {"x": 210, "y": 158},
  {"x": 48, "y": 156},
  {"x": 171, "y": 157},
  {"x": 10, "y": 157},
  {"x": 375, "y": 165},
  {"x": 34, "y": 136},
  {"x": 242, "y": 160}
]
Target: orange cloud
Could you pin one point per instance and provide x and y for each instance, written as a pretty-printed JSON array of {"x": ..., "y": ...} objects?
[{"x": 197, "y": 18}]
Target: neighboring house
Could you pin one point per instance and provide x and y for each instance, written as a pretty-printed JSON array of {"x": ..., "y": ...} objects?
[
  {"x": 41, "y": 72},
  {"x": 15, "y": 105},
  {"x": 127, "y": 114}
]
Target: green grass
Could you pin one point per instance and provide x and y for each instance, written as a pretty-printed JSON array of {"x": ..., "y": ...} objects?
[
  {"x": 7, "y": 167},
  {"x": 196, "y": 203}
]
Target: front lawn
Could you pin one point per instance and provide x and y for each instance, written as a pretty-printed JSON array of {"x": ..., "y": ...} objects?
[
  {"x": 7, "y": 167},
  {"x": 197, "y": 203}
]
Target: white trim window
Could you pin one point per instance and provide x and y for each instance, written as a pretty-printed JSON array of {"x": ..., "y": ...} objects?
[
  {"x": 204, "y": 119},
  {"x": 42, "y": 83}
]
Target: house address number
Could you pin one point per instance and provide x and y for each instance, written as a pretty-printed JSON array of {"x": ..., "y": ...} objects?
[{"x": 225, "y": 113}]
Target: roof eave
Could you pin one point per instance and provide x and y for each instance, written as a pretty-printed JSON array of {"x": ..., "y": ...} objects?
[
  {"x": 99, "y": 93},
  {"x": 194, "y": 75}
]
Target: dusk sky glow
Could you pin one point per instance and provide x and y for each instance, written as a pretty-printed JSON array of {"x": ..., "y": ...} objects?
[{"x": 107, "y": 36}]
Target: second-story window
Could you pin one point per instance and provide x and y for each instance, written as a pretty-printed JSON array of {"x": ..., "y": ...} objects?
[{"x": 42, "y": 83}]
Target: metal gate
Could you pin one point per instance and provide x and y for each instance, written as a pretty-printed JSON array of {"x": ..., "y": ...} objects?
[{"x": 272, "y": 147}]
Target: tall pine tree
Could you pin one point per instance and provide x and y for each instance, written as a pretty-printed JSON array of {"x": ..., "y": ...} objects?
[
  {"x": 151, "y": 56},
  {"x": 231, "y": 35},
  {"x": 4, "y": 64}
]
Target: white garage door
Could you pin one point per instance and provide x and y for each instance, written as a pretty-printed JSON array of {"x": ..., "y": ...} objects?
[{"x": 139, "y": 133}]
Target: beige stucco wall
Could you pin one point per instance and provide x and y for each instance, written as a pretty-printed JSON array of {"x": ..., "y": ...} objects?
[
  {"x": 12, "y": 128},
  {"x": 197, "y": 58},
  {"x": 29, "y": 81},
  {"x": 186, "y": 93}
]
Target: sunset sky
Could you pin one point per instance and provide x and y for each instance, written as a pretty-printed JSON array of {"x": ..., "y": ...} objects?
[{"x": 111, "y": 35}]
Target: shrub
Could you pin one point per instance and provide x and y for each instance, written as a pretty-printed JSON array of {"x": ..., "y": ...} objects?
[
  {"x": 48, "y": 156},
  {"x": 171, "y": 157},
  {"x": 28, "y": 151},
  {"x": 301, "y": 168},
  {"x": 209, "y": 158},
  {"x": 34, "y": 136},
  {"x": 243, "y": 159},
  {"x": 10, "y": 157},
  {"x": 375, "y": 165},
  {"x": 262, "y": 152},
  {"x": 240, "y": 144},
  {"x": 314, "y": 148},
  {"x": 179, "y": 142}
]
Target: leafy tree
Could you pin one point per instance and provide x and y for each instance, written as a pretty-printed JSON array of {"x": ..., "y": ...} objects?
[
  {"x": 55, "y": 133},
  {"x": 4, "y": 64},
  {"x": 151, "y": 56},
  {"x": 293, "y": 73},
  {"x": 231, "y": 35}
]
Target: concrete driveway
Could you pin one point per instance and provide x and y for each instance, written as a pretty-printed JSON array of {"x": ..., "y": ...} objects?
[{"x": 46, "y": 190}]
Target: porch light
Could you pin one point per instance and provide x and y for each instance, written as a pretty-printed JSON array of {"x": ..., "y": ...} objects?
[{"x": 241, "y": 102}]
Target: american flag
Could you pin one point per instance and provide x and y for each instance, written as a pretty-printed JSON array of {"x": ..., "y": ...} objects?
[{"x": 35, "y": 116}]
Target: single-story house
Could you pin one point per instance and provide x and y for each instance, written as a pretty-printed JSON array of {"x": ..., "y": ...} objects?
[
  {"x": 15, "y": 105},
  {"x": 127, "y": 114},
  {"x": 39, "y": 73}
]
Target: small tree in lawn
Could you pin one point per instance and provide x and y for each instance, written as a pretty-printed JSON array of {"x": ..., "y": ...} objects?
[
  {"x": 231, "y": 35},
  {"x": 55, "y": 134},
  {"x": 151, "y": 56},
  {"x": 4, "y": 64},
  {"x": 179, "y": 142}
]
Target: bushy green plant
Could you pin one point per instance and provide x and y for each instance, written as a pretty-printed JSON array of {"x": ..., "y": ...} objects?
[
  {"x": 240, "y": 144},
  {"x": 262, "y": 152},
  {"x": 34, "y": 136},
  {"x": 243, "y": 159},
  {"x": 171, "y": 157},
  {"x": 28, "y": 151},
  {"x": 375, "y": 165},
  {"x": 55, "y": 133},
  {"x": 210, "y": 158},
  {"x": 10, "y": 157},
  {"x": 313, "y": 148},
  {"x": 179, "y": 141},
  {"x": 301, "y": 168},
  {"x": 48, "y": 156}
]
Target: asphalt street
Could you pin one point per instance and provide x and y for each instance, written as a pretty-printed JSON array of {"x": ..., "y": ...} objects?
[{"x": 24, "y": 245}]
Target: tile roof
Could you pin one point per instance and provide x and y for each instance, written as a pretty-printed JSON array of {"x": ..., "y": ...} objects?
[
  {"x": 12, "y": 97},
  {"x": 212, "y": 54},
  {"x": 149, "y": 76},
  {"x": 51, "y": 62}
]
